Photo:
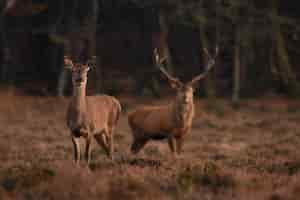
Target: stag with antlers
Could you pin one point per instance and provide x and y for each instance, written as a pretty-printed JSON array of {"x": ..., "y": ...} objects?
[{"x": 172, "y": 122}]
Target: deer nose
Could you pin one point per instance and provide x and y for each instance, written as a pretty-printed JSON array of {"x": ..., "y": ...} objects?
[
  {"x": 185, "y": 99},
  {"x": 79, "y": 80}
]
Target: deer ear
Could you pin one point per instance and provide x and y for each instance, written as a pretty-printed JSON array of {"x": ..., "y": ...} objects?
[
  {"x": 86, "y": 68},
  {"x": 175, "y": 84},
  {"x": 194, "y": 85}
]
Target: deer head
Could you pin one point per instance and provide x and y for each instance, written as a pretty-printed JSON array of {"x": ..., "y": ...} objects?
[
  {"x": 185, "y": 91},
  {"x": 79, "y": 72}
]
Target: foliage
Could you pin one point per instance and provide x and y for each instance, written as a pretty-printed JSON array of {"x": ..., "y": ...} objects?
[{"x": 265, "y": 31}]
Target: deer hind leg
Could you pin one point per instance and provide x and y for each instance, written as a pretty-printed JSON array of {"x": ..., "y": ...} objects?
[
  {"x": 76, "y": 144},
  {"x": 101, "y": 140},
  {"x": 137, "y": 145},
  {"x": 88, "y": 149},
  {"x": 172, "y": 145},
  {"x": 110, "y": 143}
]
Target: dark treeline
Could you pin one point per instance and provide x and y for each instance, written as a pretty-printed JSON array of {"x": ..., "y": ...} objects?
[{"x": 258, "y": 42}]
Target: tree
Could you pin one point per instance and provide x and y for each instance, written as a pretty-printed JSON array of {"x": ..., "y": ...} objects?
[{"x": 282, "y": 61}]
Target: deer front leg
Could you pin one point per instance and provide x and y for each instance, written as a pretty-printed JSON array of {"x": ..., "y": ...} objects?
[
  {"x": 76, "y": 144},
  {"x": 172, "y": 145},
  {"x": 88, "y": 149}
]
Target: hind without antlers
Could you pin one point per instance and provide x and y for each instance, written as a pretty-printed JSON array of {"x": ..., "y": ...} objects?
[
  {"x": 172, "y": 122},
  {"x": 90, "y": 117}
]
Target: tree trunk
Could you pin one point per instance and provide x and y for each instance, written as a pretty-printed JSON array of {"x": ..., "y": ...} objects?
[
  {"x": 237, "y": 69},
  {"x": 285, "y": 70},
  {"x": 99, "y": 75},
  {"x": 11, "y": 57}
]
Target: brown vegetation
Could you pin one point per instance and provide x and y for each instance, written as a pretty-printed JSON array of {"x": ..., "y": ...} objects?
[{"x": 244, "y": 154}]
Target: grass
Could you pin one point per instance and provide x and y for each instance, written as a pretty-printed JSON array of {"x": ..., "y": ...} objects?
[
  {"x": 207, "y": 174},
  {"x": 249, "y": 153},
  {"x": 293, "y": 108},
  {"x": 25, "y": 176}
]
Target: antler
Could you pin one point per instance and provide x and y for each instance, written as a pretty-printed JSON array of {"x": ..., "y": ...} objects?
[
  {"x": 92, "y": 62},
  {"x": 68, "y": 62},
  {"x": 210, "y": 64},
  {"x": 158, "y": 61},
  {"x": 169, "y": 77}
]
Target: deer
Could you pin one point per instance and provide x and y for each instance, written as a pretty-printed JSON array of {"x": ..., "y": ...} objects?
[
  {"x": 90, "y": 117},
  {"x": 172, "y": 122}
]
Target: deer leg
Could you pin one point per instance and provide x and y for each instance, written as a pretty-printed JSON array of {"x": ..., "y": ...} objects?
[
  {"x": 101, "y": 140},
  {"x": 88, "y": 149},
  {"x": 172, "y": 145},
  {"x": 137, "y": 145},
  {"x": 76, "y": 144},
  {"x": 179, "y": 144},
  {"x": 110, "y": 142}
]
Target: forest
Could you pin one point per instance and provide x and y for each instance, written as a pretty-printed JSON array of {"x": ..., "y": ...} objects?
[
  {"x": 258, "y": 42},
  {"x": 212, "y": 87}
]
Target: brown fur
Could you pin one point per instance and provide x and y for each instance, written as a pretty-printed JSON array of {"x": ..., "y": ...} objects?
[
  {"x": 172, "y": 122},
  {"x": 91, "y": 116}
]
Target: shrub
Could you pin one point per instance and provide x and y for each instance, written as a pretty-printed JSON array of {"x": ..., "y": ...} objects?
[{"x": 206, "y": 174}]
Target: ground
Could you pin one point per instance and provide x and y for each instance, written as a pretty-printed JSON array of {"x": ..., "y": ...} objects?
[{"x": 244, "y": 153}]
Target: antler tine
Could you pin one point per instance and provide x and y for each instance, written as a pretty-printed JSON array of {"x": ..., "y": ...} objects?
[
  {"x": 68, "y": 63},
  {"x": 170, "y": 77},
  {"x": 204, "y": 74},
  {"x": 92, "y": 62},
  {"x": 209, "y": 66},
  {"x": 158, "y": 62},
  {"x": 217, "y": 50},
  {"x": 206, "y": 52}
]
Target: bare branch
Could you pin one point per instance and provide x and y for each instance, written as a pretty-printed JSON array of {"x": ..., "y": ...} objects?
[{"x": 23, "y": 8}]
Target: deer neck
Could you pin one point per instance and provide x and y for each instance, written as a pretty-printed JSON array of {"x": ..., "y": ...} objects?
[
  {"x": 183, "y": 113},
  {"x": 79, "y": 96}
]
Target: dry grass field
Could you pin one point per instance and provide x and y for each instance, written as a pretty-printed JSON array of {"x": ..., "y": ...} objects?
[{"x": 250, "y": 153}]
